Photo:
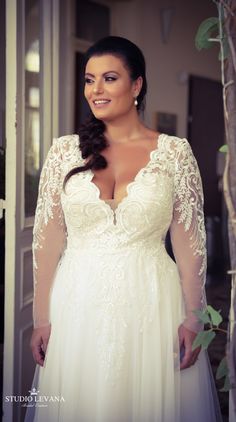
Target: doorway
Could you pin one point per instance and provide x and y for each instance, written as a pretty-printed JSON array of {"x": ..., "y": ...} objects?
[{"x": 206, "y": 135}]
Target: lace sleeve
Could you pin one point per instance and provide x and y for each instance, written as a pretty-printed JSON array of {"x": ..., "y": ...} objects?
[
  {"x": 188, "y": 235},
  {"x": 49, "y": 234}
]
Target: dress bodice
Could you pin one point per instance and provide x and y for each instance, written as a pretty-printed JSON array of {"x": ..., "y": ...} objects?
[
  {"x": 165, "y": 194},
  {"x": 142, "y": 216}
]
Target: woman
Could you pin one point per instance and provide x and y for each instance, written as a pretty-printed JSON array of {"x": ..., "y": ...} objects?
[{"x": 113, "y": 313}]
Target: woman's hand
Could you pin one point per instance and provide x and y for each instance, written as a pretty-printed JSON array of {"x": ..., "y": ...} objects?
[
  {"x": 186, "y": 339},
  {"x": 39, "y": 342}
]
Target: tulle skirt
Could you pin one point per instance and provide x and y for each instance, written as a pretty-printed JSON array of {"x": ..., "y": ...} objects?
[{"x": 113, "y": 353}]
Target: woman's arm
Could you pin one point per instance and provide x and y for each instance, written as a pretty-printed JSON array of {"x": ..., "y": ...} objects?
[
  {"x": 49, "y": 236},
  {"x": 188, "y": 237}
]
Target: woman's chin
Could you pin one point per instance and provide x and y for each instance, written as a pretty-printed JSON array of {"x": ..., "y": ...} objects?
[{"x": 102, "y": 115}]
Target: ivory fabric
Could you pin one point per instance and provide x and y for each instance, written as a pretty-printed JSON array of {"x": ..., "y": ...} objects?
[{"x": 114, "y": 297}]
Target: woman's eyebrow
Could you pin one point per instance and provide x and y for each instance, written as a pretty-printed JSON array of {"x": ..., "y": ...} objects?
[{"x": 104, "y": 74}]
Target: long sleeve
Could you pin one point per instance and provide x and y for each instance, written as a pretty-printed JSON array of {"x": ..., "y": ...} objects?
[
  {"x": 188, "y": 235},
  {"x": 49, "y": 234}
]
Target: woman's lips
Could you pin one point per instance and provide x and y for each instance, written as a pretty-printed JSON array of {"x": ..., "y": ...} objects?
[{"x": 101, "y": 103}]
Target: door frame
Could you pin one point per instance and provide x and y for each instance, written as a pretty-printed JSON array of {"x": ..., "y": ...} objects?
[
  {"x": 10, "y": 204},
  {"x": 18, "y": 300}
]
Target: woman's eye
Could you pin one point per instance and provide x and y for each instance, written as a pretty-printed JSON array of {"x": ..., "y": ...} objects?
[
  {"x": 110, "y": 78},
  {"x": 88, "y": 80}
]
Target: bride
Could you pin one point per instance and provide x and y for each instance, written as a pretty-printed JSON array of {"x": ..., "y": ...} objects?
[{"x": 113, "y": 313}]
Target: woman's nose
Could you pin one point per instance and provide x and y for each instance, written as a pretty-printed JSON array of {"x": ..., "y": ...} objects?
[{"x": 98, "y": 88}]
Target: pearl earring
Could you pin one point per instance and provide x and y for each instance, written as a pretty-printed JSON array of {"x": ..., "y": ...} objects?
[{"x": 136, "y": 102}]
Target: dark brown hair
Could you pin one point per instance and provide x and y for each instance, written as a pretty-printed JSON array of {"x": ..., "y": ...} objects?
[{"x": 91, "y": 133}]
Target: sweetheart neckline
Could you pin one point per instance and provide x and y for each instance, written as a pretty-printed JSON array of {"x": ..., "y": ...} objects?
[{"x": 130, "y": 184}]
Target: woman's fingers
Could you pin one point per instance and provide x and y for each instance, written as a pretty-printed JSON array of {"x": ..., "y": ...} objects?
[
  {"x": 39, "y": 343},
  {"x": 190, "y": 357},
  {"x": 195, "y": 355},
  {"x": 186, "y": 360},
  {"x": 45, "y": 344},
  {"x": 37, "y": 352},
  {"x": 186, "y": 339}
]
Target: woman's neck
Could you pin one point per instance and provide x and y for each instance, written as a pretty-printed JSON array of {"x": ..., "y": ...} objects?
[{"x": 123, "y": 129}]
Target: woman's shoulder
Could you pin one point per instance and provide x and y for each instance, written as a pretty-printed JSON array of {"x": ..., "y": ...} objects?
[
  {"x": 65, "y": 149},
  {"x": 65, "y": 145},
  {"x": 175, "y": 147},
  {"x": 174, "y": 142},
  {"x": 66, "y": 142}
]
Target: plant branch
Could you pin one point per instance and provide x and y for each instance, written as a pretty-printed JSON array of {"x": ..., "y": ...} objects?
[
  {"x": 227, "y": 7},
  {"x": 232, "y": 50},
  {"x": 228, "y": 199},
  {"x": 221, "y": 330}
]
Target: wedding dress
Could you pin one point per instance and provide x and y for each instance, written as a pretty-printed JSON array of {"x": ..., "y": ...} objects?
[{"x": 114, "y": 297}]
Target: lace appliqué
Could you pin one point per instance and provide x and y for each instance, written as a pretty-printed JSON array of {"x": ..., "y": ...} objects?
[
  {"x": 189, "y": 200},
  {"x": 63, "y": 150},
  {"x": 169, "y": 183}
]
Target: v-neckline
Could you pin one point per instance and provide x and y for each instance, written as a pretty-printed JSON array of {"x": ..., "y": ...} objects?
[{"x": 141, "y": 170}]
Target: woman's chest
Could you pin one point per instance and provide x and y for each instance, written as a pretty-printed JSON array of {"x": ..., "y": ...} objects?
[
  {"x": 147, "y": 203},
  {"x": 123, "y": 165}
]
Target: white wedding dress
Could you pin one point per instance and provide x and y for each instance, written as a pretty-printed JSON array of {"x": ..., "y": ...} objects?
[{"x": 114, "y": 297}]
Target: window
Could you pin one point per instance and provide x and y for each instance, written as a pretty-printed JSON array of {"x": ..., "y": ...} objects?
[{"x": 32, "y": 104}]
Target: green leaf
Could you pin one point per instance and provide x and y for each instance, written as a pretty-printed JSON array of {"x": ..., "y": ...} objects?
[
  {"x": 222, "y": 369},
  {"x": 224, "y": 148},
  {"x": 215, "y": 315},
  {"x": 203, "y": 339},
  {"x": 204, "y": 32},
  {"x": 202, "y": 316},
  {"x": 198, "y": 340},
  {"x": 227, "y": 385}
]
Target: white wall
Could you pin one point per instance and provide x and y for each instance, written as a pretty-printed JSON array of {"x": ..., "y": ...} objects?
[{"x": 139, "y": 20}]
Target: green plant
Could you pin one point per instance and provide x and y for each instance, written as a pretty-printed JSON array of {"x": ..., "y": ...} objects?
[{"x": 212, "y": 319}]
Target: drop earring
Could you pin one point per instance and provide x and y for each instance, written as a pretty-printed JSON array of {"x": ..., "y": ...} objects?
[{"x": 136, "y": 102}]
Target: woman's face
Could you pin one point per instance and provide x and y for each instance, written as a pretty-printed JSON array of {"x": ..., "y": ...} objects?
[{"x": 109, "y": 90}]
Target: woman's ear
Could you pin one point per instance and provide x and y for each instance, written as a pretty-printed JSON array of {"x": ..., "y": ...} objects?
[{"x": 138, "y": 83}]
